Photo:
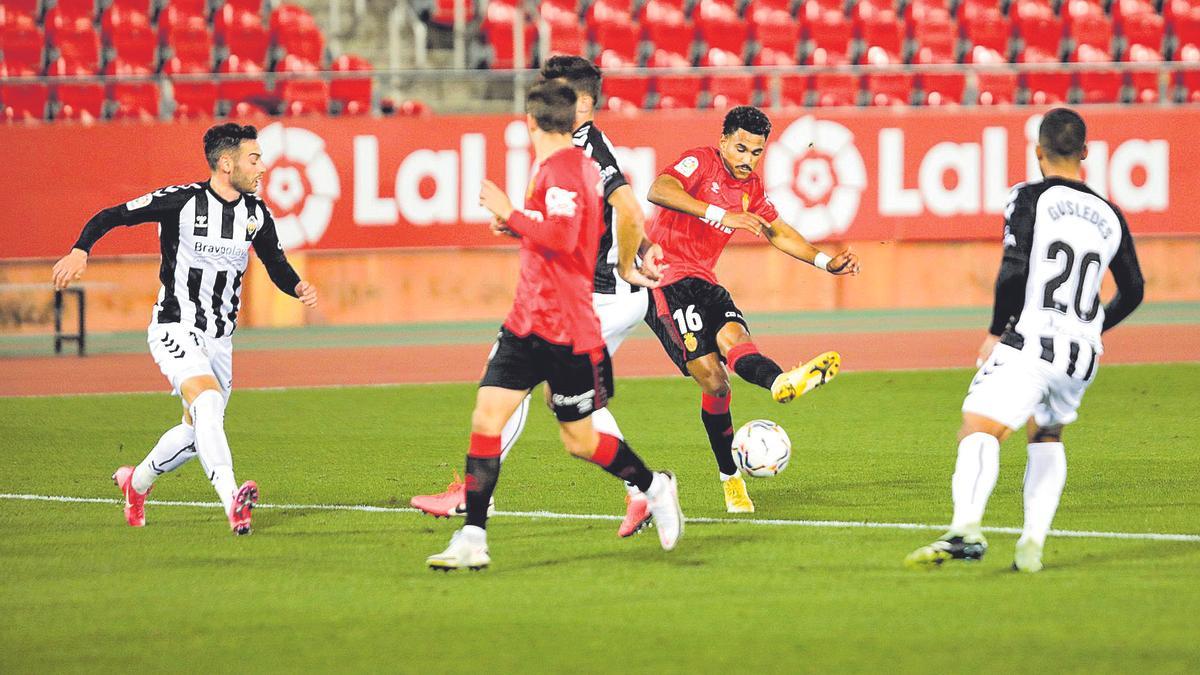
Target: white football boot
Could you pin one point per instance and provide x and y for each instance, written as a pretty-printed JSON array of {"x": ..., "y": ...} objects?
[
  {"x": 468, "y": 548},
  {"x": 663, "y": 501}
]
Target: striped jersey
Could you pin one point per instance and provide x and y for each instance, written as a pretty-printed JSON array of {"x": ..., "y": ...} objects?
[
  {"x": 597, "y": 146},
  {"x": 205, "y": 243},
  {"x": 1060, "y": 238}
]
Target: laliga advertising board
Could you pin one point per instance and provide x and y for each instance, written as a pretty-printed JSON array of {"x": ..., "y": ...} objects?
[{"x": 917, "y": 174}]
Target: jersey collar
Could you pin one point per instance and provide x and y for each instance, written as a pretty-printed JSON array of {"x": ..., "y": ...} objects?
[{"x": 208, "y": 186}]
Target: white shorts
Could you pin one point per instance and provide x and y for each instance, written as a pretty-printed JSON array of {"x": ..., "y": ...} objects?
[
  {"x": 619, "y": 314},
  {"x": 183, "y": 353},
  {"x": 1013, "y": 386}
]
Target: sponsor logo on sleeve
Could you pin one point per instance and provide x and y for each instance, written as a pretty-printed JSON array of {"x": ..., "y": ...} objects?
[
  {"x": 687, "y": 166},
  {"x": 560, "y": 202},
  {"x": 140, "y": 202}
]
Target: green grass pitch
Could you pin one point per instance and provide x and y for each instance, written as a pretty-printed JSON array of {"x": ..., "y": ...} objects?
[{"x": 325, "y": 590}]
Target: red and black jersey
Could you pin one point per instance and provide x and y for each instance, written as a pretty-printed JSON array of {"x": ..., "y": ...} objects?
[
  {"x": 560, "y": 230},
  {"x": 691, "y": 245}
]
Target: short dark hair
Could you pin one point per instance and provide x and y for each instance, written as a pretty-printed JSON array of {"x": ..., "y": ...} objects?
[
  {"x": 1062, "y": 134},
  {"x": 749, "y": 118},
  {"x": 551, "y": 104},
  {"x": 225, "y": 137},
  {"x": 583, "y": 76}
]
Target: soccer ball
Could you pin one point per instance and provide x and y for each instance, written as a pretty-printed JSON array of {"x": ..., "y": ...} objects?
[{"x": 761, "y": 448}]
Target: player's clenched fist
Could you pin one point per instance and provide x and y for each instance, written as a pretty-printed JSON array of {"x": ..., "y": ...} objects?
[
  {"x": 845, "y": 262},
  {"x": 492, "y": 198},
  {"x": 69, "y": 268},
  {"x": 307, "y": 293}
]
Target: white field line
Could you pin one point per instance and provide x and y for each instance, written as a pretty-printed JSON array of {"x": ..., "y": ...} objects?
[{"x": 1145, "y": 536}]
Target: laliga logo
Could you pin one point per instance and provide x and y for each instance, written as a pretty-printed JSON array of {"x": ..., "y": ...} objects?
[
  {"x": 301, "y": 183},
  {"x": 815, "y": 177}
]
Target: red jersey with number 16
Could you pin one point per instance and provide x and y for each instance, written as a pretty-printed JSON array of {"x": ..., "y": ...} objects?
[
  {"x": 691, "y": 245},
  {"x": 560, "y": 230}
]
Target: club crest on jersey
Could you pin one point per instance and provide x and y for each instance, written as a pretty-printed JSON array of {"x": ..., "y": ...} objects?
[
  {"x": 690, "y": 342},
  {"x": 251, "y": 226},
  {"x": 140, "y": 202},
  {"x": 687, "y": 166}
]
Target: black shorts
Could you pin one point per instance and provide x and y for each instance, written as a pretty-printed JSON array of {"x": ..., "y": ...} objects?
[
  {"x": 687, "y": 315},
  {"x": 580, "y": 383}
]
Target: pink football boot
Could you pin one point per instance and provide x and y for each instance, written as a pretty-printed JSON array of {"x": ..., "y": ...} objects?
[
  {"x": 243, "y": 504},
  {"x": 135, "y": 503}
]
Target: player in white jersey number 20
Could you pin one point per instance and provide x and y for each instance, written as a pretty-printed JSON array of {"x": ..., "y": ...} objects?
[
  {"x": 1044, "y": 345},
  {"x": 619, "y": 297},
  {"x": 206, "y": 231}
]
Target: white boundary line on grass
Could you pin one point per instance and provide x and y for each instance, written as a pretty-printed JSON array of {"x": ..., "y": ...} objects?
[{"x": 1145, "y": 536}]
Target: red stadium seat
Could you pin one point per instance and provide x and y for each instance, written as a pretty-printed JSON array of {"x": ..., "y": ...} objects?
[
  {"x": 604, "y": 12},
  {"x": 74, "y": 37},
  {"x": 190, "y": 41},
  {"x": 253, "y": 6},
  {"x": 307, "y": 96},
  {"x": 250, "y": 89},
  {"x": 1097, "y": 86},
  {"x": 1143, "y": 83},
  {"x": 22, "y": 102},
  {"x": 994, "y": 88},
  {"x": 193, "y": 98},
  {"x": 132, "y": 100},
  {"x": 174, "y": 17},
  {"x": 660, "y": 12},
  {"x": 1044, "y": 87},
  {"x": 922, "y": 11},
  {"x": 678, "y": 91},
  {"x": 498, "y": 27},
  {"x": 129, "y": 34},
  {"x": 295, "y": 31},
  {"x": 1093, "y": 31},
  {"x": 354, "y": 94},
  {"x": 719, "y": 26},
  {"x": 1074, "y": 10},
  {"x": 622, "y": 92},
  {"x": 184, "y": 7},
  {"x": 443, "y": 12},
  {"x": 75, "y": 8},
  {"x": 672, "y": 42},
  {"x": 14, "y": 8},
  {"x": 567, "y": 38},
  {"x": 987, "y": 27},
  {"x": 835, "y": 89},
  {"x": 666, "y": 29},
  {"x": 884, "y": 42},
  {"x": 241, "y": 32},
  {"x": 969, "y": 9},
  {"x": 728, "y": 91},
  {"x": 778, "y": 37},
  {"x": 1039, "y": 29},
  {"x": 935, "y": 44},
  {"x": 22, "y": 42},
  {"x": 874, "y": 12},
  {"x": 84, "y": 102},
  {"x": 830, "y": 35},
  {"x": 1122, "y": 10},
  {"x": 246, "y": 110},
  {"x": 618, "y": 43}
]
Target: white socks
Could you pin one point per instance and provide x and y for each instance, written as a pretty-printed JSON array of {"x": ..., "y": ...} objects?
[
  {"x": 208, "y": 419},
  {"x": 175, "y": 448},
  {"x": 975, "y": 475},
  {"x": 1045, "y": 476},
  {"x": 513, "y": 428}
]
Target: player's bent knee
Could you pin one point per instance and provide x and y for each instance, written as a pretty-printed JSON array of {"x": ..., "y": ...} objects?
[
  {"x": 192, "y": 387},
  {"x": 579, "y": 439}
]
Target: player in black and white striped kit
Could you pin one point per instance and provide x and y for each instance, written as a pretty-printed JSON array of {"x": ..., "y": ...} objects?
[
  {"x": 626, "y": 264},
  {"x": 1044, "y": 345},
  {"x": 206, "y": 231}
]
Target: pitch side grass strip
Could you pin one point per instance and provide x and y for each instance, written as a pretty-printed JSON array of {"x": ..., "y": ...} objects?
[
  {"x": 1078, "y": 534},
  {"x": 482, "y": 332}
]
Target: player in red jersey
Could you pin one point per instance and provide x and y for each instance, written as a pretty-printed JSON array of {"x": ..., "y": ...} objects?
[
  {"x": 551, "y": 334},
  {"x": 706, "y": 195}
]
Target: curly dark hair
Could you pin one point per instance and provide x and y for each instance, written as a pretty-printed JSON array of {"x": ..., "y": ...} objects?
[
  {"x": 224, "y": 137},
  {"x": 749, "y": 118}
]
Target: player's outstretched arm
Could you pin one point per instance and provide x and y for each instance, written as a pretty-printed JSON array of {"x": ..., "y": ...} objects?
[
  {"x": 147, "y": 208},
  {"x": 283, "y": 275},
  {"x": 631, "y": 240},
  {"x": 669, "y": 193},
  {"x": 557, "y": 229},
  {"x": 785, "y": 238}
]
